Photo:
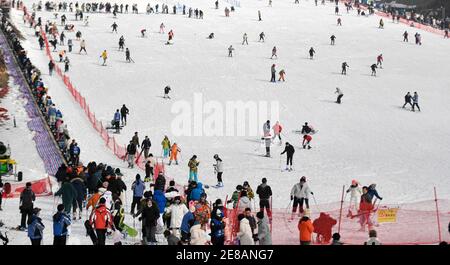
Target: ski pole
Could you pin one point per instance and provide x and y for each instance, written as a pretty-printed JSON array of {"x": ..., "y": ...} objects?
[{"x": 316, "y": 203}]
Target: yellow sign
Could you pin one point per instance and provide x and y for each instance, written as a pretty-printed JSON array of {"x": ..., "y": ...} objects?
[{"x": 387, "y": 215}]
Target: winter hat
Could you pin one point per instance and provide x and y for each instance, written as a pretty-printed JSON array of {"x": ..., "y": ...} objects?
[
  {"x": 218, "y": 203},
  {"x": 28, "y": 184},
  {"x": 148, "y": 194},
  {"x": 138, "y": 177},
  {"x": 172, "y": 183},
  {"x": 336, "y": 236},
  {"x": 354, "y": 182},
  {"x": 36, "y": 210},
  {"x": 60, "y": 207},
  {"x": 102, "y": 200},
  {"x": 260, "y": 215}
]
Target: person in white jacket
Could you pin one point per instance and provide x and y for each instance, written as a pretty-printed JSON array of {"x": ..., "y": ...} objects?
[
  {"x": 198, "y": 234},
  {"x": 355, "y": 194},
  {"x": 300, "y": 194},
  {"x": 245, "y": 235},
  {"x": 218, "y": 169},
  {"x": 177, "y": 211},
  {"x": 244, "y": 202}
]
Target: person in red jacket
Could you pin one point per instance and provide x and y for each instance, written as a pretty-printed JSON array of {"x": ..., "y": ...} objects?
[
  {"x": 305, "y": 228},
  {"x": 101, "y": 219},
  {"x": 380, "y": 60},
  {"x": 322, "y": 227},
  {"x": 306, "y": 140}
]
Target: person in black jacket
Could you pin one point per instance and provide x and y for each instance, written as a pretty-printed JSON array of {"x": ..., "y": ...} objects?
[
  {"x": 306, "y": 129},
  {"x": 408, "y": 99},
  {"x": 61, "y": 173},
  {"x": 264, "y": 192},
  {"x": 150, "y": 215},
  {"x": 289, "y": 150},
  {"x": 146, "y": 144},
  {"x": 131, "y": 151},
  {"x": 124, "y": 112},
  {"x": 160, "y": 182},
  {"x": 27, "y": 198}
]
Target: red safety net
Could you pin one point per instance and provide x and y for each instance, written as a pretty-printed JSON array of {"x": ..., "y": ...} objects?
[{"x": 41, "y": 187}]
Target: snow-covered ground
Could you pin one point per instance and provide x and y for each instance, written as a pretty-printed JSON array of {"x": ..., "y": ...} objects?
[{"x": 368, "y": 137}]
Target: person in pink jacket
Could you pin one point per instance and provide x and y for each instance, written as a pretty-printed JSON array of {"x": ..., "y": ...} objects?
[{"x": 277, "y": 131}]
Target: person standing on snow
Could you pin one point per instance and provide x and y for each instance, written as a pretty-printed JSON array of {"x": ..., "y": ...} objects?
[
  {"x": 26, "y": 203},
  {"x": 104, "y": 56},
  {"x": 311, "y": 53},
  {"x": 174, "y": 150},
  {"x": 344, "y": 68},
  {"x": 36, "y": 228},
  {"x": 264, "y": 235},
  {"x": 83, "y": 46},
  {"x": 332, "y": 38},
  {"x": 300, "y": 194},
  {"x": 166, "y": 92},
  {"x": 218, "y": 169},
  {"x": 161, "y": 28},
  {"x": 244, "y": 235},
  {"x": 193, "y": 169},
  {"x": 374, "y": 71},
  {"x": 146, "y": 144},
  {"x": 165, "y": 146},
  {"x": 405, "y": 36},
  {"x": 68, "y": 194},
  {"x": 51, "y": 66},
  {"x": 266, "y": 128},
  {"x": 408, "y": 99},
  {"x": 306, "y": 140},
  {"x": 259, "y": 16},
  {"x": 380, "y": 60},
  {"x": 340, "y": 95},
  {"x": 127, "y": 55},
  {"x": 282, "y": 73},
  {"x": 177, "y": 210},
  {"x": 265, "y": 192},
  {"x": 274, "y": 52},
  {"x": 131, "y": 152},
  {"x": 230, "y": 51},
  {"x": 101, "y": 220},
  {"x": 114, "y": 27},
  {"x": 305, "y": 228},
  {"x": 273, "y": 71},
  {"x": 277, "y": 131},
  {"x": 262, "y": 36},
  {"x": 244, "y": 39},
  {"x": 116, "y": 121},
  {"x": 381, "y": 24},
  {"x": 61, "y": 221},
  {"x": 138, "y": 187},
  {"x": 289, "y": 150},
  {"x": 124, "y": 111},
  {"x": 355, "y": 193},
  {"x": 415, "y": 99}
]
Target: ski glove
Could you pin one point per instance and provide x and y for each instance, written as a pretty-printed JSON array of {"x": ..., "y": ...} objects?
[{"x": 292, "y": 197}]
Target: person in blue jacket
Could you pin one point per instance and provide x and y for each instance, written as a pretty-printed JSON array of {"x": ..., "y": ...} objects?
[
  {"x": 138, "y": 187},
  {"x": 160, "y": 199},
  {"x": 373, "y": 192},
  {"x": 60, "y": 223},
  {"x": 116, "y": 121},
  {"x": 185, "y": 227},
  {"x": 36, "y": 228},
  {"x": 217, "y": 229},
  {"x": 197, "y": 192}
]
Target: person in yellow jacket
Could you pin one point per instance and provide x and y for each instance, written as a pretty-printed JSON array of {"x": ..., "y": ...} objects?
[
  {"x": 104, "y": 56},
  {"x": 165, "y": 146},
  {"x": 193, "y": 168},
  {"x": 173, "y": 153}
]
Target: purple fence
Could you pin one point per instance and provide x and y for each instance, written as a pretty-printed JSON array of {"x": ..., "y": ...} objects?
[{"x": 45, "y": 146}]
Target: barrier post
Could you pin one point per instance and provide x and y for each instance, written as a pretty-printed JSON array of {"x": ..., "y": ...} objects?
[
  {"x": 340, "y": 211},
  {"x": 437, "y": 215}
]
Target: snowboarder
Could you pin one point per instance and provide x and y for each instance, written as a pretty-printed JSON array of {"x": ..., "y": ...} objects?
[
  {"x": 311, "y": 53},
  {"x": 273, "y": 71},
  {"x": 415, "y": 99},
  {"x": 166, "y": 92},
  {"x": 380, "y": 60},
  {"x": 300, "y": 194},
  {"x": 193, "y": 168},
  {"x": 114, "y": 27},
  {"x": 282, "y": 73},
  {"x": 344, "y": 68},
  {"x": 244, "y": 39},
  {"x": 116, "y": 121},
  {"x": 170, "y": 36},
  {"x": 306, "y": 140},
  {"x": 277, "y": 131},
  {"x": 218, "y": 169},
  {"x": 274, "y": 52},
  {"x": 83, "y": 46},
  {"x": 405, "y": 36},
  {"x": 265, "y": 192},
  {"x": 333, "y": 38},
  {"x": 374, "y": 71},
  {"x": 262, "y": 36},
  {"x": 104, "y": 56},
  {"x": 174, "y": 150},
  {"x": 340, "y": 95},
  {"x": 230, "y": 51},
  {"x": 289, "y": 150},
  {"x": 408, "y": 99},
  {"x": 124, "y": 111}
]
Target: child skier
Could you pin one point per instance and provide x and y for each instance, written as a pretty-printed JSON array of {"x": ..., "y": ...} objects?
[{"x": 306, "y": 140}]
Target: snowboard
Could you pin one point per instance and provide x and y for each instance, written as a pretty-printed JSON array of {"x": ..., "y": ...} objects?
[{"x": 130, "y": 231}]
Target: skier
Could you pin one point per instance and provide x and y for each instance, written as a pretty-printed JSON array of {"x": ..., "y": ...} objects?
[
  {"x": 405, "y": 36},
  {"x": 300, "y": 194},
  {"x": 116, "y": 121},
  {"x": 174, "y": 150},
  {"x": 264, "y": 192},
  {"x": 131, "y": 152},
  {"x": 104, "y": 56},
  {"x": 381, "y": 26},
  {"x": 355, "y": 193},
  {"x": 380, "y": 60},
  {"x": 127, "y": 55},
  {"x": 66, "y": 64},
  {"x": 339, "y": 22},
  {"x": 165, "y": 146},
  {"x": 70, "y": 44},
  {"x": 161, "y": 28},
  {"x": 36, "y": 228},
  {"x": 146, "y": 144},
  {"x": 306, "y": 140},
  {"x": 211, "y": 35},
  {"x": 262, "y": 36},
  {"x": 418, "y": 38},
  {"x": 218, "y": 169},
  {"x": 114, "y": 27},
  {"x": 61, "y": 221},
  {"x": 170, "y": 36},
  {"x": 415, "y": 99},
  {"x": 274, "y": 52},
  {"x": 289, "y": 150},
  {"x": 101, "y": 220},
  {"x": 193, "y": 169},
  {"x": 259, "y": 16},
  {"x": 344, "y": 68},
  {"x": 306, "y": 129},
  {"x": 143, "y": 31},
  {"x": 51, "y": 66},
  {"x": 311, "y": 53},
  {"x": 273, "y": 71},
  {"x": 230, "y": 51},
  {"x": 374, "y": 71},
  {"x": 277, "y": 131},
  {"x": 166, "y": 92},
  {"x": 333, "y": 38},
  {"x": 83, "y": 46},
  {"x": 27, "y": 198},
  {"x": 340, "y": 95},
  {"x": 336, "y": 10},
  {"x": 365, "y": 209},
  {"x": 121, "y": 43},
  {"x": 124, "y": 113},
  {"x": 408, "y": 99},
  {"x": 244, "y": 39}
]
